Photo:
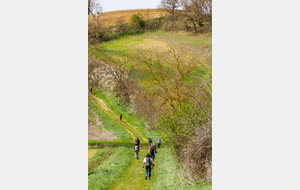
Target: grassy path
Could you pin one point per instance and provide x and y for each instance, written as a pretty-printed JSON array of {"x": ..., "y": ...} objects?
[
  {"x": 134, "y": 177},
  {"x": 131, "y": 130}
]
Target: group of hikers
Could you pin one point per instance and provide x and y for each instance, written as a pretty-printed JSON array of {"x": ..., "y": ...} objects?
[{"x": 148, "y": 161}]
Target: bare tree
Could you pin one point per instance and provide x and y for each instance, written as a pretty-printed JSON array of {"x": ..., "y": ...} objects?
[
  {"x": 94, "y": 6},
  {"x": 197, "y": 12},
  {"x": 170, "y": 6}
]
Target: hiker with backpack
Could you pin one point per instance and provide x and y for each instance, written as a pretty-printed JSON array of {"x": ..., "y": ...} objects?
[
  {"x": 120, "y": 116},
  {"x": 152, "y": 150},
  {"x": 136, "y": 151},
  {"x": 138, "y": 141},
  {"x": 148, "y": 162},
  {"x": 158, "y": 142}
]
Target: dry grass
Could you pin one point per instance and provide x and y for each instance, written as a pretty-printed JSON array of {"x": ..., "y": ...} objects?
[
  {"x": 150, "y": 44},
  {"x": 111, "y": 18},
  {"x": 92, "y": 152}
]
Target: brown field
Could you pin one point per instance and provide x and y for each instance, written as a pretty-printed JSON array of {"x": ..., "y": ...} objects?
[{"x": 114, "y": 17}]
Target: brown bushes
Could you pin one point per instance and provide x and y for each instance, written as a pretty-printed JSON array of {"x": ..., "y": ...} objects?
[{"x": 189, "y": 131}]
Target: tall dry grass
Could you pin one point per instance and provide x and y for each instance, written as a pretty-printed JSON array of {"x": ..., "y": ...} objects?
[{"x": 111, "y": 18}]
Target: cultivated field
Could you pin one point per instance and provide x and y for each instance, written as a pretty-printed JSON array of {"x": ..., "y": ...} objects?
[{"x": 115, "y": 17}]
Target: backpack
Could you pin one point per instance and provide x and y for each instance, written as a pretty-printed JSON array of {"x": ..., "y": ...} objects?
[
  {"x": 148, "y": 163},
  {"x": 158, "y": 140},
  {"x": 152, "y": 149},
  {"x": 136, "y": 148}
]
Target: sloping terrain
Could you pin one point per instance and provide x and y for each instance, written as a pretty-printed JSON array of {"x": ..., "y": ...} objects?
[
  {"x": 112, "y": 18},
  {"x": 121, "y": 170}
]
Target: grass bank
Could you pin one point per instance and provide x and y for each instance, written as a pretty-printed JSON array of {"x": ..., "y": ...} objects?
[
  {"x": 165, "y": 176},
  {"x": 111, "y": 170},
  {"x": 99, "y": 157}
]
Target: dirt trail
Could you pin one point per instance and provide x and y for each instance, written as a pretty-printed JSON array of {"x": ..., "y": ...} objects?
[
  {"x": 101, "y": 104},
  {"x": 134, "y": 177}
]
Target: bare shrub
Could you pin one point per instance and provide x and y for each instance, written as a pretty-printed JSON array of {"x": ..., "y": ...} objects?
[
  {"x": 189, "y": 131},
  {"x": 114, "y": 70}
]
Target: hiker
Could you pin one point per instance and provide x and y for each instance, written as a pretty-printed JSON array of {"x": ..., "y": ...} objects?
[
  {"x": 91, "y": 90},
  {"x": 120, "y": 116},
  {"x": 152, "y": 150},
  {"x": 150, "y": 141},
  {"x": 158, "y": 142},
  {"x": 136, "y": 150},
  {"x": 137, "y": 141},
  {"x": 148, "y": 162}
]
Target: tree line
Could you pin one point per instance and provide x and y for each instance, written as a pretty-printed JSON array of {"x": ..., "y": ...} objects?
[{"x": 180, "y": 15}]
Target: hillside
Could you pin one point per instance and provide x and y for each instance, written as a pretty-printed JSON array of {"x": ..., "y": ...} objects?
[
  {"x": 105, "y": 171},
  {"x": 115, "y": 17}
]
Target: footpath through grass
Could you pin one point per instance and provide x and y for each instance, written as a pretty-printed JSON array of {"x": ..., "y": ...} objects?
[
  {"x": 134, "y": 177},
  {"x": 128, "y": 116},
  {"x": 133, "y": 131},
  {"x": 110, "y": 124}
]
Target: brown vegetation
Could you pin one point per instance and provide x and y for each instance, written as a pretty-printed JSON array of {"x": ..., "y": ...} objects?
[{"x": 113, "y": 18}]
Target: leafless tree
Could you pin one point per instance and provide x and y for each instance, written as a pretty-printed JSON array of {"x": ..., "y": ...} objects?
[
  {"x": 94, "y": 6},
  {"x": 170, "y": 6},
  {"x": 197, "y": 12}
]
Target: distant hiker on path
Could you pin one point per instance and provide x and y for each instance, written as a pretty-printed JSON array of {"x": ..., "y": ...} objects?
[
  {"x": 158, "y": 142},
  {"x": 91, "y": 90},
  {"x": 150, "y": 141},
  {"x": 148, "y": 162},
  {"x": 136, "y": 150},
  {"x": 120, "y": 116},
  {"x": 137, "y": 141}
]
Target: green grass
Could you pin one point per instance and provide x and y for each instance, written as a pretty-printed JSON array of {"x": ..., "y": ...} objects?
[
  {"x": 165, "y": 173},
  {"x": 128, "y": 115},
  {"x": 111, "y": 170},
  {"x": 116, "y": 143},
  {"x": 187, "y": 39},
  {"x": 98, "y": 158},
  {"x": 110, "y": 124}
]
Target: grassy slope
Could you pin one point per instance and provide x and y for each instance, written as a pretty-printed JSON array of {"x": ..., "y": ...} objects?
[
  {"x": 110, "y": 124},
  {"x": 130, "y": 117},
  {"x": 100, "y": 156},
  {"x": 134, "y": 175},
  {"x": 165, "y": 175},
  {"x": 111, "y": 170},
  {"x": 92, "y": 152}
]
